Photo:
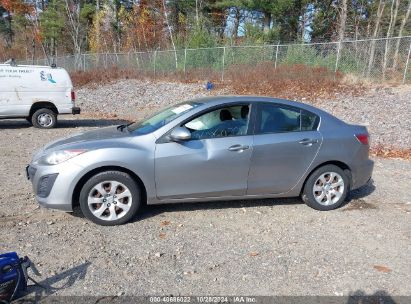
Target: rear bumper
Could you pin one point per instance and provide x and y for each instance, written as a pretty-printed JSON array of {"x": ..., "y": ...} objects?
[
  {"x": 68, "y": 109},
  {"x": 75, "y": 110},
  {"x": 362, "y": 174}
]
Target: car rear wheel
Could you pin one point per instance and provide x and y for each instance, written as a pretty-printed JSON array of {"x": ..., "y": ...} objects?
[
  {"x": 326, "y": 188},
  {"x": 110, "y": 198},
  {"x": 44, "y": 118}
]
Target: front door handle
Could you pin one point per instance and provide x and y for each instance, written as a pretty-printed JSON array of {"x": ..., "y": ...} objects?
[
  {"x": 238, "y": 148},
  {"x": 308, "y": 141}
]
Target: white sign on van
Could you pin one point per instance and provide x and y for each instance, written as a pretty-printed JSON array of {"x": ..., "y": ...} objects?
[{"x": 14, "y": 73}]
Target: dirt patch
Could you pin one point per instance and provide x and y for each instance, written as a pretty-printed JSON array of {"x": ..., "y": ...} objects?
[{"x": 359, "y": 204}]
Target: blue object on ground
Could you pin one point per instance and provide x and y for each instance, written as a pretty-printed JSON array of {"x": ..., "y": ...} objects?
[
  {"x": 209, "y": 86},
  {"x": 13, "y": 276}
]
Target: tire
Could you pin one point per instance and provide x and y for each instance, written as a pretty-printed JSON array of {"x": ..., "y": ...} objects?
[
  {"x": 44, "y": 119},
  {"x": 103, "y": 191},
  {"x": 326, "y": 195}
]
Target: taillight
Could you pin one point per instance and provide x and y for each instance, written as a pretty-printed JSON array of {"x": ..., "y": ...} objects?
[
  {"x": 362, "y": 138},
  {"x": 73, "y": 96}
]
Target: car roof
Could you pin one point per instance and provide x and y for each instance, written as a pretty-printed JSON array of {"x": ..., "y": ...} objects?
[{"x": 253, "y": 98}]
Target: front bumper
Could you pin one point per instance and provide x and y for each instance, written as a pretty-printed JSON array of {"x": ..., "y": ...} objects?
[{"x": 58, "y": 193}]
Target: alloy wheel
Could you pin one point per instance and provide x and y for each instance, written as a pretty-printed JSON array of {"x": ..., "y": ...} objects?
[
  {"x": 109, "y": 200},
  {"x": 328, "y": 188}
]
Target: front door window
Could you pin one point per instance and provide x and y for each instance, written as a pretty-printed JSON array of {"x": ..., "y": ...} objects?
[{"x": 223, "y": 122}]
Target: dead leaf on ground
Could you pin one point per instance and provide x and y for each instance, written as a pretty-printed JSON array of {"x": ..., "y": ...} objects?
[
  {"x": 381, "y": 268},
  {"x": 254, "y": 253},
  {"x": 164, "y": 223},
  {"x": 162, "y": 235}
]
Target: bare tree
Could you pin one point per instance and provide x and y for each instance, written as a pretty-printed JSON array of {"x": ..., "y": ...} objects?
[
  {"x": 35, "y": 30},
  {"x": 236, "y": 23},
  {"x": 341, "y": 30},
  {"x": 197, "y": 16},
  {"x": 393, "y": 19},
  {"x": 403, "y": 22},
  {"x": 170, "y": 31},
  {"x": 380, "y": 10},
  {"x": 75, "y": 28}
]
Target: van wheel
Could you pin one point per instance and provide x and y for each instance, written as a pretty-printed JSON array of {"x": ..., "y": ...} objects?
[{"x": 44, "y": 118}]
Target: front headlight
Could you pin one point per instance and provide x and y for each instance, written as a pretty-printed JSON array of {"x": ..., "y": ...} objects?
[{"x": 58, "y": 157}]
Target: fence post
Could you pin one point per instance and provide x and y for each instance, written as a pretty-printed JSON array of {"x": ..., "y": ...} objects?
[
  {"x": 185, "y": 59},
  {"x": 155, "y": 55},
  {"x": 337, "y": 59},
  {"x": 276, "y": 56},
  {"x": 406, "y": 65},
  {"x": 222, "y": 72}
]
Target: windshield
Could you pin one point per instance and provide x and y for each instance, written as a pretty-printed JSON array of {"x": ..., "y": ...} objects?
[{"x": 162, "y": 118}]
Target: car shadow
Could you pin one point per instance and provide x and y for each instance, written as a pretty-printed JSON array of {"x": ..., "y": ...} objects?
[
  {"x": 380, "y": 296},
  {"x": 361, "y": 192},
  {"x": 148, "y": 211},
  {"x": 64, "y": 123}
]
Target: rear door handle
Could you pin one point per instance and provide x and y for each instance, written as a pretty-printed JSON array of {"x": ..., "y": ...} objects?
[
  {"x": 238, "y": 148},
  {"x": 308, "y": 141}
]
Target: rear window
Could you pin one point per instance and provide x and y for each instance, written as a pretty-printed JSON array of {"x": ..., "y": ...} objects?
[{"x": 309, "y": 121}]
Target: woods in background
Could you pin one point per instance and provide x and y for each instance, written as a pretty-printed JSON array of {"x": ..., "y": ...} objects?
[{"x": 39, "y": 28}]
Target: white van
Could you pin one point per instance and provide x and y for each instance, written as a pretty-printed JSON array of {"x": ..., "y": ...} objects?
[{"x": 37, "y": 93}]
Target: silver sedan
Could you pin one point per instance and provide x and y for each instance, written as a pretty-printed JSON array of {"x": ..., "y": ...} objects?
[{"x": 217, "y": 148}]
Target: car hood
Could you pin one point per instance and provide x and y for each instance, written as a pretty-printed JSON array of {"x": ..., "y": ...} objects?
[
  {"x": 85, "y": 140},
  {"x": 93, "y": 135}
]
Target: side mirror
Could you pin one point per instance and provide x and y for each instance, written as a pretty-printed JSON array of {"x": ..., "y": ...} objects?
[{"x": 180, "y": 134}]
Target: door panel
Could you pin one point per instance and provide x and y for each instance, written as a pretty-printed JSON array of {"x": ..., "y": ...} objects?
[
  {"x": 203, "y": 168},
  {"x": 280, "y": 159},
  {"x": 285, "y": 144}
]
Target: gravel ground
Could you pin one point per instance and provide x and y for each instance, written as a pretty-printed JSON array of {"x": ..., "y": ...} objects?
[
  {"x": 262, "y": 247},
  {"x": 385, "y": 111}
]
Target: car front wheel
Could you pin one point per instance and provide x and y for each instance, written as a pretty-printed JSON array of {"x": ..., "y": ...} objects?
[
  {"x": 110, "y": 198},
  {"x": 326, "y": 188}
]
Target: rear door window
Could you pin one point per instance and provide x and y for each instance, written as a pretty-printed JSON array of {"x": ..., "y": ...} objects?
[{"x": 274, "y": 118}]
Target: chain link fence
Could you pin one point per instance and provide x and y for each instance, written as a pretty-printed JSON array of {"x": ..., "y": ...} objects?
[{"x": 374, "y": 59}]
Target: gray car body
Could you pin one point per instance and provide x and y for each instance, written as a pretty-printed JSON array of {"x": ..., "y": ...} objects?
[{"x": 275, "y": 165}]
